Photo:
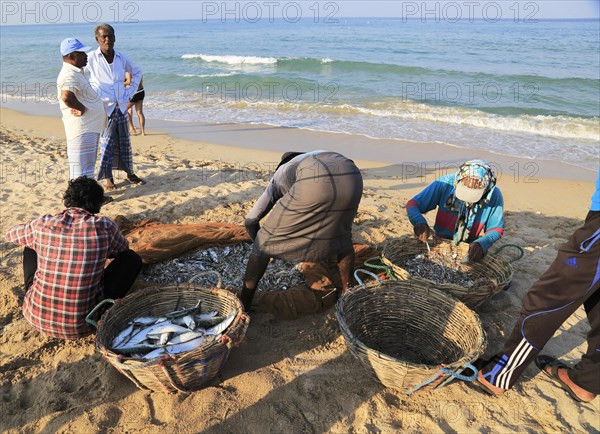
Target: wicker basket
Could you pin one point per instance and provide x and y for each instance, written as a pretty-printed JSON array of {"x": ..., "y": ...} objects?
[
  {"x": 410, "y": 336},
  {"x": 491, "y": 275},
  {"x": 183, "y": 372}
]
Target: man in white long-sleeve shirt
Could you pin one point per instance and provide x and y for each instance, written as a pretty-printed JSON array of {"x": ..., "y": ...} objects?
[{"x": 107, "y": 68}]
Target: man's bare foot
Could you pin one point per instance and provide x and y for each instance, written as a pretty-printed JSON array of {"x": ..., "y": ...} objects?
[{"x": 109, "y": 184}]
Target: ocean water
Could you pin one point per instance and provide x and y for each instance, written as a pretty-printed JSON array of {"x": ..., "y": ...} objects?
[{"x": 527, "y": 89}]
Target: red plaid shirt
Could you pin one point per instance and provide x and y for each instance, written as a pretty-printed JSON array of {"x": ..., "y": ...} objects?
[{"x": 72, "y": 248}]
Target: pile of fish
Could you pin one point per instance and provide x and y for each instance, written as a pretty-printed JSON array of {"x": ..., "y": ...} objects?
[
  {"x": 148, "y": 337},
  {"x": 439, "y": 269},
  {"x": 229, "y": 261}
]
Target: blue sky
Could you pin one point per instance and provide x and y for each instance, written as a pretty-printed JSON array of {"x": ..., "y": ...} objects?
[{"x": 51, "y": 12}]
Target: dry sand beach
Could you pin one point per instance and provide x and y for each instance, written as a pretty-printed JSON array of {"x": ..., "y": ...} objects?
[{"x": 290, "y": 376}]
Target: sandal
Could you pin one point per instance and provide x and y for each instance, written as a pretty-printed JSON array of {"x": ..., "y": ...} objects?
[
  {"x": 135, "y": 179},
  {"x": 484, "y": 387},
  {"x": 542, "y": 362},
  {"x": 109, "y": 184}
]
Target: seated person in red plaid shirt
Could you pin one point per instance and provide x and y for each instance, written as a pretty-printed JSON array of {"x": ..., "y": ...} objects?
[{"x": 64, "y": 259}]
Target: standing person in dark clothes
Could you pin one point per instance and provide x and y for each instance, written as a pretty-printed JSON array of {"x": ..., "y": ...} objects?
[
  {"x": 64, "y": 259},
  {"x": 137, "y": 101},
  {"x": 573, "y": 279},
  {"x": 313, "y": 199}
]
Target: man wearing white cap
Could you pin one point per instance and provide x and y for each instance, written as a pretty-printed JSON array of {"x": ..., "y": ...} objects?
[
  {"x": 470, "y": 208},
  {"x": 83, "y": 112}
]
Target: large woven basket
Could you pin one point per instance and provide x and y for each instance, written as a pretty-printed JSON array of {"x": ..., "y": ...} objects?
[
  {"x": 491, "y": 275},
  {"x": 183, "y": 372},
  {"x": 410, "y": 336}
]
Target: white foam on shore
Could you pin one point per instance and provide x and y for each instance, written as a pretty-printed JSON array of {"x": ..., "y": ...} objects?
[{"x": 232, "y": 60}]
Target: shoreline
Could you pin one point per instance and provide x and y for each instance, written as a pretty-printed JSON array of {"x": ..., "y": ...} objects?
[
  {"x": 417, "y": 158},
  {"x": 535, "y": 189}
]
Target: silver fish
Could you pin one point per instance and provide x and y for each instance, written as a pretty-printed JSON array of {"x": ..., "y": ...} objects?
[
  {"x": 187, "y": 321},
  {"x": 185, "y": 346},
  {"x": 185, "y": 337},
  {"x": 184, "y": 312},
  {"x": 147, "y": 320},
  {"x": 207, "y": 315},
  {"x": 164, "y": 338},
  {"x": 122, "y": 336},
  {"x": 157, "y": 330},
  {"x": 142, "y": 347},
  {"x": 222, "y": 326},
  {"x": 159, "y": 352},
  {"x": 140, "y": 336}
]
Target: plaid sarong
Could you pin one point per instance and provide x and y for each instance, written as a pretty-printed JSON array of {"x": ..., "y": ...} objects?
[{"x": 115, "y": 146}]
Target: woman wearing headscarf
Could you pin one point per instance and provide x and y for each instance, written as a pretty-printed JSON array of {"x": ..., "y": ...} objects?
[{"x": 470, "y": 208}]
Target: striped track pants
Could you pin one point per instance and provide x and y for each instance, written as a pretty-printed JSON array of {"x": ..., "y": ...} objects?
[{"x": 573, "y": 279}]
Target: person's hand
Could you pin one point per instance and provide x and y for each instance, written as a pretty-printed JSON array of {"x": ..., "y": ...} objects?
[
  {"x": 476, "y": 253},
  {"x": 422, "y": 231},
  {"x": 252, "y": 230},
  {"x": 76, "y": 112}
]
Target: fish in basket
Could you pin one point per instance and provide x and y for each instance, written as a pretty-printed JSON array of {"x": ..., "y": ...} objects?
[
  {"x": 174, "y": 338},
  {"x": 410, "y": 336},
  {"x": 445, "y": 266}
]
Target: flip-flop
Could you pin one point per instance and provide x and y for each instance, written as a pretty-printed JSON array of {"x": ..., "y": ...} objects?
[
  {"x": 542, "y": 362},
  {"x": 135, "y": 179},
  {"x": 483, "y": 387}
]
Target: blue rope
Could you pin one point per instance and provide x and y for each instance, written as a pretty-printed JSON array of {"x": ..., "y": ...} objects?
[
  {"x": 423, "y": 384},
  {"x": 447, "y": 372},
  {"x": 460, "y": 376}
]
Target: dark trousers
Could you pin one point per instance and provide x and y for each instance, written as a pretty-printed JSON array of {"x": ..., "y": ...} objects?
[
  {"x": 118, "y": 278},
  {"x": 571, "y": 280}
]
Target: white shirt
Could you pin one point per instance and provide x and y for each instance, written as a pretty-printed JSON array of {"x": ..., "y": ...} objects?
[
  {"x": 93, "y": 119},
  {"x": 109, "y": 79}
]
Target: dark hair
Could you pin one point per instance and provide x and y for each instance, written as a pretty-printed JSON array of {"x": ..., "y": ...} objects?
[
  {"x": 105, "y": 27},
  {"x": 287, "y": 157},
  {"x": 85, "y": 193}
]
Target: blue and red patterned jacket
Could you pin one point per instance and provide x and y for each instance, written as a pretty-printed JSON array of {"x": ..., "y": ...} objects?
[{"x": 487, "y": 228}]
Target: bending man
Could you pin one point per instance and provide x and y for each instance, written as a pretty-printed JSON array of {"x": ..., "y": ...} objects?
[{"x": 314, "y": 198}]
